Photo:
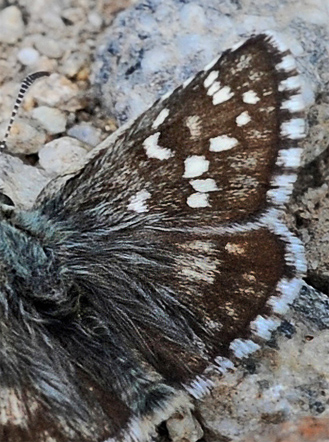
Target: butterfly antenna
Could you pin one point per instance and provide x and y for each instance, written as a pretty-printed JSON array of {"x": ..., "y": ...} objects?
[{"x": 30, "y": 79}]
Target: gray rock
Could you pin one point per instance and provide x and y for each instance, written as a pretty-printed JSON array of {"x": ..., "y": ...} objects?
[
  {"x": 57, "y": 91},
  {"x": 172, "y": 40}
]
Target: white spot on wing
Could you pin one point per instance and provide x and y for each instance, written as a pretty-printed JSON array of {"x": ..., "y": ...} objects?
[
  {"x": 223, "y": 364},
  {"x": 206, "y": 185},
  {"x": 199, "y": 268},
  {"x": 213, "y": 88},
  {"x": 243, "y": 119},
  {"x": 254, "y": 76},
  {"x": 223, "y": 142},
  {"x": 222, "y": 95},
  {"x": 210, "y": 79},
  {"x": 198, "y": 387},
  {"x": 244, "y": 62},
  {"x": 286, "y": 180},
  {"x": 195, "y": 165},
  {"x": 250, "y": 97},
  {"x": 138, "y": 201},
  {"x": 193, "y": 123},
  {"x": 198, "y": 200},
  {"x": 153, "y": 150},
  {"x": 160, "y": 118}
]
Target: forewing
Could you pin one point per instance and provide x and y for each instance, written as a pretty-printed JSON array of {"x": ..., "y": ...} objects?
[{"x": 210, "y": 152}]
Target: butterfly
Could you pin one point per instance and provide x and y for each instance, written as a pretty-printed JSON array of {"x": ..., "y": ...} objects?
[{"x": 164, "y": 257}]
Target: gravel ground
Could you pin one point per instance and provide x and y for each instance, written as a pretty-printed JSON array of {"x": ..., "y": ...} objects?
[{"x": 60, "y": 119}]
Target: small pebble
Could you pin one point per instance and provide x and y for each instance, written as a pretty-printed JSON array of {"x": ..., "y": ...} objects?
[
  {"x": 86, "y": 133},
  {"x": 11, "y": 25},
  {"x": 95, "y": 20},
  {"x": 28, "y": 56},
  {"x": 52, "y": 120},
  {"x": 49, "y": 47},
  {"x": 58, "y": 156},
  {"x": 57, "y": 91}
]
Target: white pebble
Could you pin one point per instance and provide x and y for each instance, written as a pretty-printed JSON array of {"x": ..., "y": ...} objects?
[
  {"x": 28, "y": 56},
  {"x": 95, "y": 20},
  {"x": 11, "y": 25}
]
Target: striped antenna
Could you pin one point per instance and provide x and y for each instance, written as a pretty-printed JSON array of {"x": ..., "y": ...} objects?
[{"x": 30, "y": 79}]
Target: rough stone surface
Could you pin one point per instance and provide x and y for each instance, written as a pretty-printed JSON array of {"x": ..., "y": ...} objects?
[
  {"x": 183, "y": 426},
  {"x": 306, "y": 429},
  {"x": 311, "y": 210},
  {"x": 282, "y": 392},
  {"x": 288, "y": 379},
  {"x": 172, "y": 40}
]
